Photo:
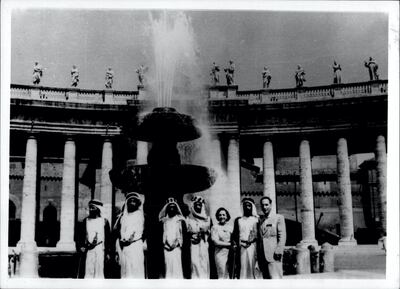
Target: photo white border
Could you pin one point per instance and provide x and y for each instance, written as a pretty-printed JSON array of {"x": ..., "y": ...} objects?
[{"x": 392, "y": 262}]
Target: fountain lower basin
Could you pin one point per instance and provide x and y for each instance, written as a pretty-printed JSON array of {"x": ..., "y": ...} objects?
[{"x": 167, "y": 179}]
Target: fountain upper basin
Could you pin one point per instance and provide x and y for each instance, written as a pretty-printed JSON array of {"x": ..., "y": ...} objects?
[{"x": 166, "y": 124}]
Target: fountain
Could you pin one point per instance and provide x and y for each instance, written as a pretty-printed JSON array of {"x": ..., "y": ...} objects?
[
  {"x": 164, "y": 128},
  {"x": 164, "y": 175}
]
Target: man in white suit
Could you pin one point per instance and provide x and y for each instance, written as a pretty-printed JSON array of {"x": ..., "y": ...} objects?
[{"x": 272, "y": 239}]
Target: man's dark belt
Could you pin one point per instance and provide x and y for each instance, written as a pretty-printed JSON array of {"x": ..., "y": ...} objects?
[{"x": 93, "y": 246}]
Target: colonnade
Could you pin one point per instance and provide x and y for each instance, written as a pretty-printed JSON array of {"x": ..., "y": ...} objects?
[
  {"x": 27, "y": 245},
  {"x": 231, "y": 196},
  {"x": 231, "y": 193},
  {"x": 344, "y": 188}
]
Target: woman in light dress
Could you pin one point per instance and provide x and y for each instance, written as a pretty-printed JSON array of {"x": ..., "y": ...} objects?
[{"x": 221, "y": 236}]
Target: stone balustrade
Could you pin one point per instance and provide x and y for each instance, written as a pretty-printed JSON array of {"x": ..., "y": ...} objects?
[
  {"x": 267, "y": 96},
  {"x": 74, "y": 95},
  {"x": 316, "y": 93}
]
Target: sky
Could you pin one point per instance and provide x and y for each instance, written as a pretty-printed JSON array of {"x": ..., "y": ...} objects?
[{"x": 96, "y": 39}]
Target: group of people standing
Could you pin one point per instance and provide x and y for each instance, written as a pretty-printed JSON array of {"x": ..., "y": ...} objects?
[{"x": 193, "y": 247}]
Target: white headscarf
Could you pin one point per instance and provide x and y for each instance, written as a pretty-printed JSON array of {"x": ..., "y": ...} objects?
[
  {"x": 202, "y": 215},
  {"x": 253, "y": 206},
  {"x": 98, "y": 204},
  {"x": 128, "y": 196},
  {"x": 163, "y": 213},
  {"x": 124, "y": 210}
]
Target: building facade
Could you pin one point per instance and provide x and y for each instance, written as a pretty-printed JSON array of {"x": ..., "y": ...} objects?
[{"x": 318, "y": 152}]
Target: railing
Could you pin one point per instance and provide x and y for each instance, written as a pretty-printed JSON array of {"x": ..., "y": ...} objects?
[
  {"x": 74, "y": 95},
  {"x": 14, "y": 258},
  {"x": 340, "y": 91},
  {"x": 268, "y": 96}
]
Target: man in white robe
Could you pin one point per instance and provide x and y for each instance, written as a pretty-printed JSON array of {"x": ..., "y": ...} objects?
[
  {"x": 173, "y": 230},
  {"x": 244, "y": 238},
  {"x": 198, "y": 226},
  {"x": 97, "y": 231},
  {"x": 130, "y": 244}
]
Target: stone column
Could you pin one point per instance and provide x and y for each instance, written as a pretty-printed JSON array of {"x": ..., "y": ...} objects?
[
  {"x": 67, "y": 216},
  {"x": 269, "y": 173},
  {"x": 234, "y": 177},
  {"x": 29, "y": 255},
  {"x": 216, "y": 153},
  {"x": 105, "y": 182},
  {"x": 380, "y": 157},
  {"x": 218, "y": 192},
  {"x": 307, "y": 198},
  {"x": 142, "y": 151},
  {"x": 344, "y": 192}
]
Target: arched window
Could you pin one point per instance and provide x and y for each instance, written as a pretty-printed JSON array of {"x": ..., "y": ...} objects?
[
  {"x": 14, "y": 226},
  {"x": 50, "y": 233},
  {"x": 50, "y": 213}
]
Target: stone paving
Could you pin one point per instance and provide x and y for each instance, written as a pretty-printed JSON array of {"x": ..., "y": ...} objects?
[
  {"x": 359, "y": 262},
  {"x": 342, "y": 274}
]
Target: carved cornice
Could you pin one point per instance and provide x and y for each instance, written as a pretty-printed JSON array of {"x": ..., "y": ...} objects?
[
  {"x": 286, "y": 129},
  {"x": 64, "y": 128}
]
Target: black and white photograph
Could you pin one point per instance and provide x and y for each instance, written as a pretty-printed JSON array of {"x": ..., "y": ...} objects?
[{"x": 224, "y": 144}]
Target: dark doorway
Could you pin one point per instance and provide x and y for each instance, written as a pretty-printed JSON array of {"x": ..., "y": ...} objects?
[
  {"x": 14, "y": 225},
  {"x": 50, "y": 227}
]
